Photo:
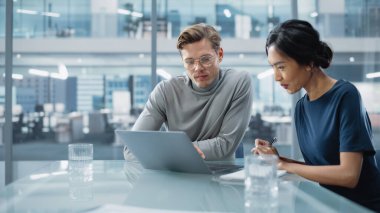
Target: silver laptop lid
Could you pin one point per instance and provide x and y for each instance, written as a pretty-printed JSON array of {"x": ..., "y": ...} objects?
[{"x": 159, "y": 150}]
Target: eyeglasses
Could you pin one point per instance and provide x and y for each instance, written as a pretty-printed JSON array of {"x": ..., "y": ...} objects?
[{"x": 205, "y": 61}]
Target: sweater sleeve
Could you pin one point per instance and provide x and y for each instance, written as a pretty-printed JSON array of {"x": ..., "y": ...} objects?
[
  {"x": 234, "y": 124},
  {"x": 154, "y": 113},
  {"x": 152, "y": 117}
]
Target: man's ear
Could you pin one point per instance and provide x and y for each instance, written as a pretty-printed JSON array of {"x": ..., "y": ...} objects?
[{"x": 220, "y": 54}]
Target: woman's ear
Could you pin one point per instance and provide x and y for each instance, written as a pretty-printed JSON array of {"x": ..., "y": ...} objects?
[{"x": 310, "y": 67}]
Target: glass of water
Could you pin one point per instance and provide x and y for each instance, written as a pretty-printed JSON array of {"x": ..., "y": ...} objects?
[
  {"x": 80, "y": 151},
  {"x": 261, "y": 187},
  {"x": 80, "y": 171}
]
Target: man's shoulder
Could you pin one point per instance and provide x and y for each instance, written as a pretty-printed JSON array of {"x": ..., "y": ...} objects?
[
  {"x": 172, "y": 83},
  {"x": 236, "y": 75},
  {"x": 236, "y": 78}
]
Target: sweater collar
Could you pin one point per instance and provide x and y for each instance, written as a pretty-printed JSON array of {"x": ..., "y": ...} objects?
[{"x": 208, "y": 89}]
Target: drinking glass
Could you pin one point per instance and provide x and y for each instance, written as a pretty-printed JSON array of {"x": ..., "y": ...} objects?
[
  {"x": 80, "y": 171},
  {"x": 261, "y": 187}
]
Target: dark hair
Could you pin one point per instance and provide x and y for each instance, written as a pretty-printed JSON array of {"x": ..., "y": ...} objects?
[
  {"x": 198, "y": 32},
  {"x": 300, "y": 41}
]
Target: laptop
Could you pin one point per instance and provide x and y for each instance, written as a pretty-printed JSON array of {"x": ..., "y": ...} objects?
[{"x": 171, "y": 151}]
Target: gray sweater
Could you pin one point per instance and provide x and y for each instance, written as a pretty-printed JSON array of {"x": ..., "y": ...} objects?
[{"x": 215, "y": 119}]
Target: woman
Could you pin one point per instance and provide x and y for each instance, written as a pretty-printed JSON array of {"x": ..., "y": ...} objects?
[{"x": 333, "y": 128}]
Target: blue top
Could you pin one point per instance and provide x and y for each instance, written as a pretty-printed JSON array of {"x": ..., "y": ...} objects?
[{"x": 338, "y": 122}]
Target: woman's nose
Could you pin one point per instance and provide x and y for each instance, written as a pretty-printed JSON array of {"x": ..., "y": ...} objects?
[{"x": 277, "y": 75}]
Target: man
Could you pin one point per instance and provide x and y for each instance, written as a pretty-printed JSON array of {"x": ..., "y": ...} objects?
[{"x": 211, "y": 105}]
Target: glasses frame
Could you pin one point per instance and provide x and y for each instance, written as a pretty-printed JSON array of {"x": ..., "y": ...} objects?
[{"x": 191, "y": 66}]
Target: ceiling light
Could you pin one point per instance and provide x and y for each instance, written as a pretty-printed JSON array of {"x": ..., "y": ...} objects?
[
  {"x": 17, "y": 76},
  {"x": 41, "y": 73},
  {"x": 29, "y": 12},
  {"x": 265, "y": 74},
  {"x": 51, "y": 14},
  {"x": 123, "y": 12},
  {"x": 137, "y": 14},
  {"x": 373, "y": 75},
  {"x": 313, "y": 14},
  {"x": 227, "y": 13}
]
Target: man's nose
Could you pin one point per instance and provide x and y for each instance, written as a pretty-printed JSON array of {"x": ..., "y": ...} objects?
[{"x": 197, "y": 65}]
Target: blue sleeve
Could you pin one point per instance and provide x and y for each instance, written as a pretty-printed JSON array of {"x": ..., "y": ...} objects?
[{"x": 355, "y": 126}]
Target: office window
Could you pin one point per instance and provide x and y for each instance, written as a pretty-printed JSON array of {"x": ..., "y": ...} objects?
[
  {"x": 2, "y": 91},
  {"x": 95, "y": 52},
  {"x": 64, "y": 91},
  {"x": 349, "y": 27},
  {"x": 243, "y": 26}
]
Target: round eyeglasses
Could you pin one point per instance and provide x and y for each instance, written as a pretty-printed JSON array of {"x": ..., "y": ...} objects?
[{"x": 205, "y": 61}]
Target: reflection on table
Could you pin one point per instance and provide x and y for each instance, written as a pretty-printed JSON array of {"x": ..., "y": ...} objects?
[{"x": 127, "y": 184}]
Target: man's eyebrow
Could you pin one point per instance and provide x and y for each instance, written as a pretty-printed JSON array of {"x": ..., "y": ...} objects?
[{"x": 205, "y": 55}]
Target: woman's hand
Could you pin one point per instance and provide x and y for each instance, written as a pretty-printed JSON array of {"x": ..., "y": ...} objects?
[
  {"x": 266, "y": 150},
  {"x": 264, "y": 147}
]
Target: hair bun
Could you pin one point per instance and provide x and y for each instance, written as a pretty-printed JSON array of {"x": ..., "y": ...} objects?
[{"x": 324, "y": 55}]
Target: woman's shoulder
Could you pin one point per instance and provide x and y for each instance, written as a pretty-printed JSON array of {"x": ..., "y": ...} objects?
[
  {"x": 346, "y": 89},
  {"x": 343, "y": 85}
]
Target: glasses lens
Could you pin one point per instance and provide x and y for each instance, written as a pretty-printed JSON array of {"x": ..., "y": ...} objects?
[
  {"x": 205, "y": 60},
  {"x": 189, "y": 63}
]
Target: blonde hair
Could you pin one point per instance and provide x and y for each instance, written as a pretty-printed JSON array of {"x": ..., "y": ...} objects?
[{"x": 198, "y": 32}]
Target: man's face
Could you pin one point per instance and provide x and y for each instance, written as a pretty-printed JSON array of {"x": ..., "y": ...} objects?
[{"x": 201, "y": 62}]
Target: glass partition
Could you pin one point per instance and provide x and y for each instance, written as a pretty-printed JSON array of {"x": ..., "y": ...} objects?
[
  {"x": 86, "y": 65},
  {"x": 243, "y": 26},
  {"x": 2, "y": 91},
  {"x": 349, "y": 27},
  {"x": 83, "y": 70}
]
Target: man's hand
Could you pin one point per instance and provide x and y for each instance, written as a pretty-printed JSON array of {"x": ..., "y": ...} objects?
[{"x": 200, "y": 152}]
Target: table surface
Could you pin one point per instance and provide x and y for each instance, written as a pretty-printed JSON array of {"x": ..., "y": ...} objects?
[{"x": 120, "y": 186}]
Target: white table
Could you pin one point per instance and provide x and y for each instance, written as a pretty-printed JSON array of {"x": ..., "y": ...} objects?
[{"x": 128, "y": 185}]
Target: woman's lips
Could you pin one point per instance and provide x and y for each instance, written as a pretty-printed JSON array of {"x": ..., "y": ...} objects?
[{"x": 285, "y": 86}]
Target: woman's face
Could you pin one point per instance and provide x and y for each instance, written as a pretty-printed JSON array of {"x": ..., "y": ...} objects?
[{"x": 291, "y": 75}]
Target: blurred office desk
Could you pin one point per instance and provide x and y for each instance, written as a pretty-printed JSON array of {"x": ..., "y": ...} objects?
[{"x": 133, "y": 188}]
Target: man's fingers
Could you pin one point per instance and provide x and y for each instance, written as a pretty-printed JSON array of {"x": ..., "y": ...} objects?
[
  {"x": 200, "y": 152},
  {"x": 203, "y": 155}
]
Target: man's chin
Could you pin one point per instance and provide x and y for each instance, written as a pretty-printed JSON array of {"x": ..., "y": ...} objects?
[{"x": 202, "y": 85}]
